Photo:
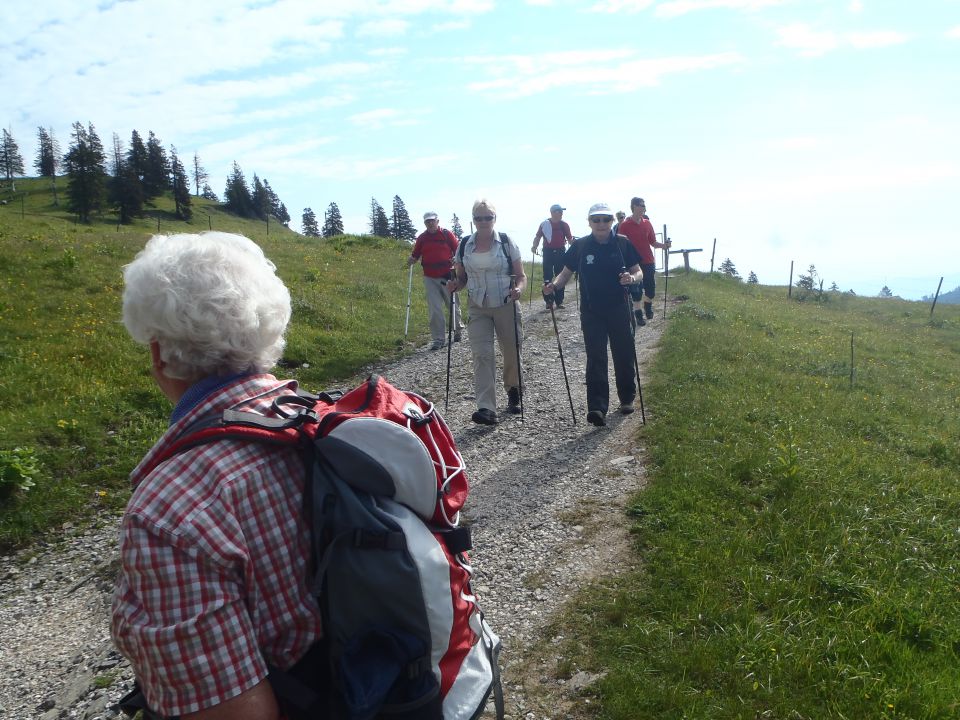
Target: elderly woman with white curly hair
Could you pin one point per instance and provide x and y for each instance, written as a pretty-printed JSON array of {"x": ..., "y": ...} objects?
[{"x": 214, "y": 547}]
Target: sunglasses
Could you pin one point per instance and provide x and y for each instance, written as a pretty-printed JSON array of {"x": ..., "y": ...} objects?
[
  {"x": 484, "y": 218},
  {"x": 601, "y": 218}
]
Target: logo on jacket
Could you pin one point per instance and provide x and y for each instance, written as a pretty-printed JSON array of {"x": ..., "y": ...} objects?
[{"x": 590, "y": 259}]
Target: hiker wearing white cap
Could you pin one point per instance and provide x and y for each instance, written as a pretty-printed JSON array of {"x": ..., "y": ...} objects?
[
  {"x": 435, "y": 249},
  {"x": 606, "y": 264},
  {"x": 555, "y": 234}
]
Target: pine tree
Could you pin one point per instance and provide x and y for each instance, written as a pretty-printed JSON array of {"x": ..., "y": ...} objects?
[
  {"x": 84, "y": 165},
  {"x": 728, "y": 268},
  {"x": 48, "y": 159},
  {"x": 885, "y": 292},
  {"x": 834, "y": 287},
  {"x": 181, "y": 186},
  {"x": 456, "y": 228},
  {"x": 379, "y": 224},
  {"x": 199, "y": 173},
  {"x": 402, "y": 228},
  {"x": 137, "y": 156},
  {"x": 208, "y": 194},
  {"x": 808, "y": 281},
  {"x": 260, "y": 199},
  {"x": 156, "y": 179},
  {"x": 11, "y": 161},
  {"x": 236, "y": 195},
  {"x": 332, "y": 221},
  {"x": 125, "y": 191},
  {"x": 752, "y": 278},
  {"x": 309, "y": 223},
  {"x": 283, "y": 215}
]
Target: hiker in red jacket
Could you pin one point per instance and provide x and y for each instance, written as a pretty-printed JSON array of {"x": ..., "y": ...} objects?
[
  {"x": 435, "y": 249},
  {"x": 639, "y": 231},
  {"x": 214, "y": 547}
]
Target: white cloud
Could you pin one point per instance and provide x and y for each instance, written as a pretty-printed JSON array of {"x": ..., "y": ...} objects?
[
  {"x": 954, "y": 33},
  {"x": 856, "y": 6},
  {"x": 673, "y": 8},
  {"x": 595, "y": 72},
  {"x": 794, "y": 143},
  {"x": 451, "y": 26},
  {"x": 382, "y": 117},
  {"x": 383, "y": 28},
  {"x": 619, "y": 6},
  {"x": 813, "y": 43},
  {"x": 878, "y": 38}
]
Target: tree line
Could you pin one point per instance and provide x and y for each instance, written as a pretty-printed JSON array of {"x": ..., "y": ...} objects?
[
  {"x": 131, "y": 177},
  {"x": 398, "y": 225}
]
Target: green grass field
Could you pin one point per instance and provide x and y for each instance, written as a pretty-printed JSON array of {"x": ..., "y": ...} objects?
[
  {"x": 76, "y": 391},
  {"x": 797, "y": 548},
  {"x": 795, "y": 553}
]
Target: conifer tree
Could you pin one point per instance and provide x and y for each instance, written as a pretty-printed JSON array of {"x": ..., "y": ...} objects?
[
  {"x": 260, "y": 199},
  {"x": 283, "y": 215},
  {"x": 236, "y": 195},
  {"x": 11, "y": 161},
  {"x": 125, "y": 191},
  {"x": 309, "y": 223},
  {"x": 137, "y": 156},
  {"x": 456, "y": 228},
  {"x": 836, "y": 288},
  {"x": 156, "y": 179},
  {"x": 181, "y": 186},
  {"x": 332, "y": 221},
  {"x": 728, "y": 268},
  {"x": 885, "y": 292},
  {"x": 808, "y": 281},
  {"x": 379, "y": 224},
  {"x": 48, "y": 159},
  {"x": 199, "y": 173},
  {"x": 85, "y": 169},
  {"x": 402, "y": 228},
  {"x": 752, "y": 278},
  {"x": 208, "y": 194}
]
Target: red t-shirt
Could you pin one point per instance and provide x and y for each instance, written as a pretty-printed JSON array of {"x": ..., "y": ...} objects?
[
  {"x": 435, "y": 251},
  {"x": 559, "y": 234},
  {"x": 642, "y": 236}
]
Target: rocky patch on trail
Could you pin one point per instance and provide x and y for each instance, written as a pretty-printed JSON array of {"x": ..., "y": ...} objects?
[{"x": 546, "y": 507}]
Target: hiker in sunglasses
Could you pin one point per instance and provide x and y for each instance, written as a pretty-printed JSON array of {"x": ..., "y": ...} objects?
[
  {"x": 489, "y": 266},
  {"x": 606, "y": 264},
  {"x": 214, "y": 547}
]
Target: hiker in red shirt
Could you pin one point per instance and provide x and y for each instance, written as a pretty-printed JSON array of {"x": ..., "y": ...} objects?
[
  {"x": 555, "y": 234},
  {"x": 639, "y": 230},
  {"x": 435, "y": 248}
]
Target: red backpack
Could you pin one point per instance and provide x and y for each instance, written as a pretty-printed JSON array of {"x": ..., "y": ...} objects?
[{"x": 403, "y": 635}]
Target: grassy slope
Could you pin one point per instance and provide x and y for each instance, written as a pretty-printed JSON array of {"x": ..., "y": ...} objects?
[
  {"x": 799, "y": 539},
  {"x": 74, "y": 387}
]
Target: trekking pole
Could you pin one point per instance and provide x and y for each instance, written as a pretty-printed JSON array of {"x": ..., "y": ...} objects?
[
  {"x": 633, "y": 344},
  {"x": 516, "y": 336},
  {"x": 563, "y": 365},
  {"x": 406, "y": 324},
  {"x": 533, "y": 267},
  {"x": 453, "y": 299}
]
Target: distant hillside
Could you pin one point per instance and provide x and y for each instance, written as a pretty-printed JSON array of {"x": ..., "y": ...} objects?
[{"x": 952, "y": 297}]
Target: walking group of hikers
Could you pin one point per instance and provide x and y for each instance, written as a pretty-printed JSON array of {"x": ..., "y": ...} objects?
[
  {"x": 295, "y": 555},
  {"x": 614, "y": 266}
]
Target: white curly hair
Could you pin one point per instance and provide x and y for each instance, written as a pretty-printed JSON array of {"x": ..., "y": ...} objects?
[{"x": 212, "y": 301}]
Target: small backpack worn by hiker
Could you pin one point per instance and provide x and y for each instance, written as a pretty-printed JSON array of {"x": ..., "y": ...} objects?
[{"x": 404, "y": 637}]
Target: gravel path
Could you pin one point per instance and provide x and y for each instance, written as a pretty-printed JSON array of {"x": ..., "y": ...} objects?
[{"x": 546, "y": 509}]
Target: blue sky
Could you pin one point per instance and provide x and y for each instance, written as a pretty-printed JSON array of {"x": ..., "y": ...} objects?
[{"x": 810, "y": 131}]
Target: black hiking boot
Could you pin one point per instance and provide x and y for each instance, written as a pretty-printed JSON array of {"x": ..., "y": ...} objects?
[
  {"x": 648, "y": 309},
  {"x": 638, "y": 314},
  {"x": 513, "y": 400},
  {"x": 484, "y": 416}
]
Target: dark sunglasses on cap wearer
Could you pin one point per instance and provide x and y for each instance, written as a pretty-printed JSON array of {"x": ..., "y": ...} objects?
[
  {"x": 483, "y": 218},
  {"x": 602, "y": 218}
]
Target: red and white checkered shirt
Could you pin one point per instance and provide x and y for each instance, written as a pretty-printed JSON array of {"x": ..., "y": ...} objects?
[{"x": 214, "y": 551}]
